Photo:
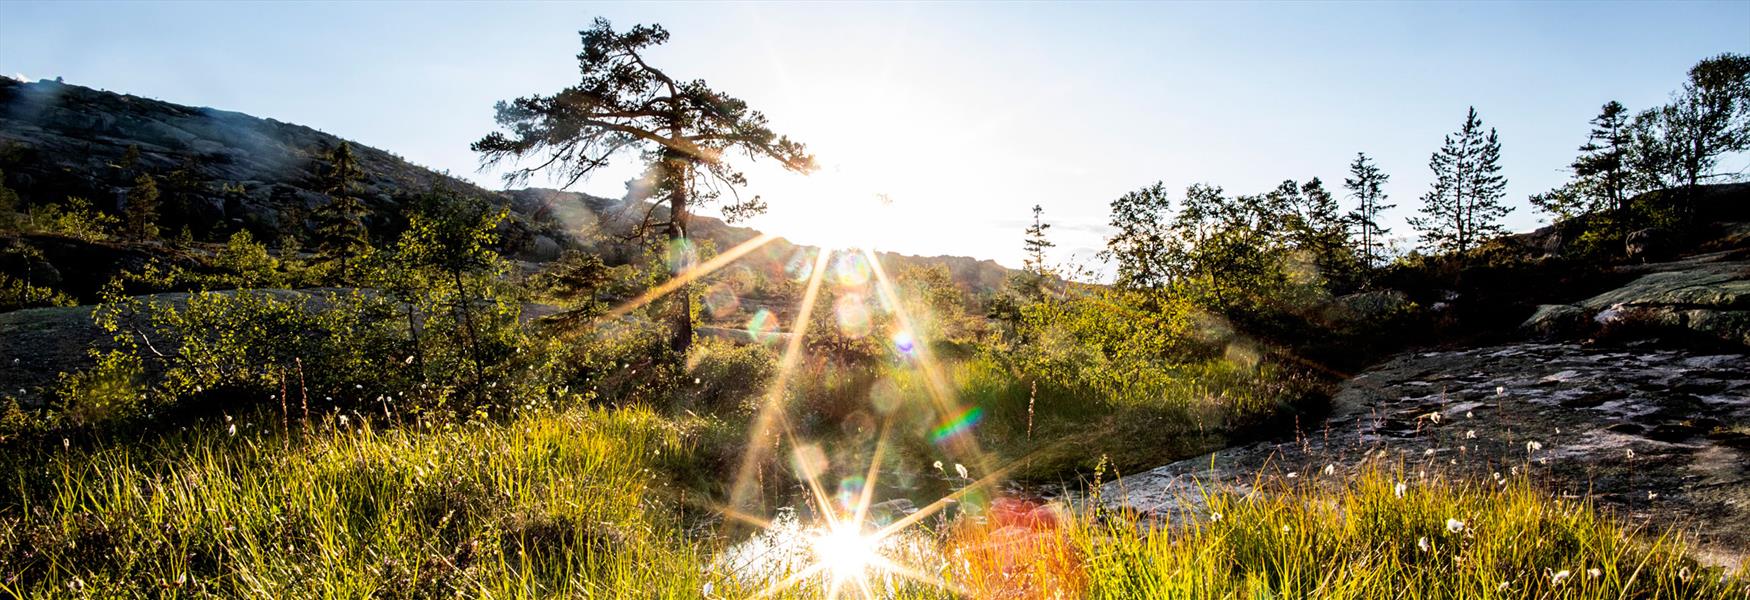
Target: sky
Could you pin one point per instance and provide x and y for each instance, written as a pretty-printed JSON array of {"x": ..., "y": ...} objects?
[{"x": 965, "y": 115}]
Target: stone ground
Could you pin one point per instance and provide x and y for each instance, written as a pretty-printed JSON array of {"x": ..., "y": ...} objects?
[{"x": 1659, "y": 437}]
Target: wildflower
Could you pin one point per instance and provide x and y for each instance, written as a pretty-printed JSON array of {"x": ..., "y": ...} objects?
[
  {"x": 66, "y": 443},
  {"x": 343, "y": 420},
  {"x": 1454, "y": 525},
  {"x": 1533, "y": 446},
  {"x": 1499, "y": 390},
  {"x": 961, "y": 469},
  {"x": 232, "y": 430},
  {"x": 938, "y": 465},
  {"x": 1422, "y": 544},
  {"x": 1398, "y": 490},
  {"x": 1558, "y": 577}
]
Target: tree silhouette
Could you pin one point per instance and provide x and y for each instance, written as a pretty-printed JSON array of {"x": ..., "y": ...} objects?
[
  {"x": 1036, "y": 243},
  {"x": 683, "y": 131},
  {"x": 1464, "y": 207},
  {"x": 1603, "y": 162},
  {"x": 340, "y": 225},
  {"x": 1139, "y": 246},
  {"x": 1366, "y": 185}
]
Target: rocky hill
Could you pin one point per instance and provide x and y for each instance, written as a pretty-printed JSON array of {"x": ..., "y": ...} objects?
[{"x": 222, "y": 172}]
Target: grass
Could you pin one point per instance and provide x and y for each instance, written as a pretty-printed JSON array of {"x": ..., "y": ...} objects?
[{"x": 583, "y": 503}]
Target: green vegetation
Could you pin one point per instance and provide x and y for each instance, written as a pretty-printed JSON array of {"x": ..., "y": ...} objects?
[
  {"x": 576, "y": 503},
  {"x": 407, "y": 412}
]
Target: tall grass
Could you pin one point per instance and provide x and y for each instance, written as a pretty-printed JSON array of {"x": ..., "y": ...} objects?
[
  {"x": 581, "y": 504},
  {"x": 570, "y": 503}
]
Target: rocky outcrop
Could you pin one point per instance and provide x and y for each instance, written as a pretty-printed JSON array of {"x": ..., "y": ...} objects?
[
  {"x": 1661, "y": 437},
  {"x": 1704, "y": 297}
]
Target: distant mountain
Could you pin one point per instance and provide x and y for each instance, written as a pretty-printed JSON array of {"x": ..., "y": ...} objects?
[{"x": 223, "y": 171}]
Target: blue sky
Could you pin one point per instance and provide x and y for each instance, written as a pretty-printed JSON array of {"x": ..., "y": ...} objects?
[{"x": 965, "y": 114}]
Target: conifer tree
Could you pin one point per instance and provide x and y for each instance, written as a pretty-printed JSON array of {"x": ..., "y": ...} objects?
[
  {"x": 142, "y": 209},
  {"x": 1366, "y": 183},
  {"x": 340, "y": 227},
  {"x": 1464, "y": 207},
  {"x": 1036, "y": 243},
  {"x": 1603, "y": 162},
  {"x": 684, "y": 132}
]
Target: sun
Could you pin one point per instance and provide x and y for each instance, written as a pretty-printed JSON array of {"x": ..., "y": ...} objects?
[
  {"x": 844, "y": 211},
  {"x": 846, "y": 551}
]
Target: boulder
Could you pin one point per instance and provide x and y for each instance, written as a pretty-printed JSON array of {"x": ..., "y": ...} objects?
[{"x": 1557, "y": 322}]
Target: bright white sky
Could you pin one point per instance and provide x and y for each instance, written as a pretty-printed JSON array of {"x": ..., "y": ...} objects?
[{"x": 965, "y": 114}]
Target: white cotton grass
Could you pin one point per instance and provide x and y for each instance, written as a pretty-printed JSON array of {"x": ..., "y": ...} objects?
[
  {"x": 1398, "y": 490},
  {"x": 1422, "y": 544},
  {"x": 961, "y": 469},
  {"x": 1454, "y": 526}
]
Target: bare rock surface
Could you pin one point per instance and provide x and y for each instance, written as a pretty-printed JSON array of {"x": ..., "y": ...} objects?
[{"x": 1658, "y": 437}]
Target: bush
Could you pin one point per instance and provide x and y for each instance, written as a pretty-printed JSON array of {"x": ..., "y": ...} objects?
[{"x": 728, "y": 377}]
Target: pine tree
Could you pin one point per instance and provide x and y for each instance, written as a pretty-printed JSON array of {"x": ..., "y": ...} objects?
[
  {"x": 1464, "y": 208},
  {"x": 1036, "y": 243},
  {"x": 1366, "y": 185},
  {"x": 685, "y": 133},
  {"x": 1603, "y": 162},
  {"x": 340, "y": 227},
  {"x": 142, "y": 209}
]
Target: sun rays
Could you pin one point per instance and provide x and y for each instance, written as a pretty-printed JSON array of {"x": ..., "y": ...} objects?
[{"x": 849, "y": 553}]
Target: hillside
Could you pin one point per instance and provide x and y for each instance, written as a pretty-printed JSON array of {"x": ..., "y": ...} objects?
[{"x": 223, "y": 171}]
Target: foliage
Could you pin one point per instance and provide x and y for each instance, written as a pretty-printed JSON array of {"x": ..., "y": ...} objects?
[
  {"x": 341, "y": 234},
  {"x": 1366, "y": 185},
  {"x": 18, "y": 293},
  {"x": 684, "y": 132},
  {"x": 77, "y": 219},
  {"x": 1464, "y": 207},
  {"x": 8, "y": 205},
  {"x": 142, "y": 209},
  {"x": 1139, "y": 245}
]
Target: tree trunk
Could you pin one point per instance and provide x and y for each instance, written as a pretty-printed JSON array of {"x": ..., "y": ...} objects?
[
  {"x": 473, "y": 340},
  {"x": 682, "y": 335}
]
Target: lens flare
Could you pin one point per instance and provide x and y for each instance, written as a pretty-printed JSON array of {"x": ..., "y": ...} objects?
[
  {"x": 851, "y": 269},
  {"x": 961, "y": 423},
  {"x": 800, "y": 267},
  {"x": 846, "y": 551},
  {"x": 682, "y": 255},
  {"x": 853, "y": 315},
  {"x": 902, "y": 341},
  {"x": 763, "y": 327},
  {"x": 721, "y": 301}
]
